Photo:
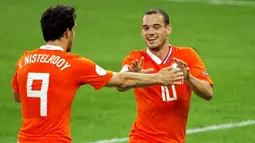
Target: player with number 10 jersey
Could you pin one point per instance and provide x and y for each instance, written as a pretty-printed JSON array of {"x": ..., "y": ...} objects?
[{"x": 162, "y": 111}]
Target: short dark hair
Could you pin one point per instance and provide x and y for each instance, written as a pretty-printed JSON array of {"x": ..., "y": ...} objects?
[
  {"x": 55, "y": 21},
  {"x": 158, "y": 11}
]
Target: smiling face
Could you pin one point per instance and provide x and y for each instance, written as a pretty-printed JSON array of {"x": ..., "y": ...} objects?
[{"x": 155, "y": 31}]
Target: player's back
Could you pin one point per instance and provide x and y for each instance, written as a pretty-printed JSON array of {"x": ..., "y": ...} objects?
[{"x": 46, "y": 91}]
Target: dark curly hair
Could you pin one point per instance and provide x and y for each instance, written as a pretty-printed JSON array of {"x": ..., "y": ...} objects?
[{"x": 56, "y": 20}]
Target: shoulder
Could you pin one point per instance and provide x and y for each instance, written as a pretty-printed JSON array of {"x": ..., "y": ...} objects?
[
  {"x": 77, "y": 60},
  {"x": 136, "y": 54},
  {"x": 75, "y": 57},
  {"x": 20, "y": 62},
  {"x": 184, "y": 50},
  {"x": 187, "y": 54},
  {"x": 26, "y": 53}
]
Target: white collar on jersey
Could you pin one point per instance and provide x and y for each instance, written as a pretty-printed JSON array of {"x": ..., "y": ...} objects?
[
  {"x": 51, "y": 47},
  {"x": 157, "y": 59}
]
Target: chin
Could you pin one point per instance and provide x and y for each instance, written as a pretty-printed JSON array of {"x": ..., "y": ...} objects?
[{"x": 153, "y": 46}]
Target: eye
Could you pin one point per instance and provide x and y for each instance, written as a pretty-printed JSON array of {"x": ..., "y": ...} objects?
[
  {"x": 157, "y": 27},
  {"x": 145, "y": 28}
]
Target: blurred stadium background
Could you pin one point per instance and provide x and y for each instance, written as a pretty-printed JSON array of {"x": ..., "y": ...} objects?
[{"x": 221, "y": 32}]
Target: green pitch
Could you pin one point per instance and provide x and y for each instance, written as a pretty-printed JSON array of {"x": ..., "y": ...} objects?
[{"x": 107, "y": 30}]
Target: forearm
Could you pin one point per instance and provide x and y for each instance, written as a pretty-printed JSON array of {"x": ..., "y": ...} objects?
[
  {"x": 200, "y": 87},
  {"x": 132, "y": 80},
  {"x": 126, "y": 80},
  {"x": 129, "y": 84}
]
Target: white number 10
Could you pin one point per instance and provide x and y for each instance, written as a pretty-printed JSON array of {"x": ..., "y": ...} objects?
[
  {"x": 165, "y": 93},
  {"x": 42, "y": 93}
]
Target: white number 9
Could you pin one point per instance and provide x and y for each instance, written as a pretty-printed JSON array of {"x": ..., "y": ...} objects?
[{"x": 42, "y": 94}]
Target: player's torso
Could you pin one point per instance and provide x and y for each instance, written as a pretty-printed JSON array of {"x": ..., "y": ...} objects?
[
  {"x": 162, "y": 110},
  {"x": 165, "y": 97},
  {"x": 46, "y": 92}
]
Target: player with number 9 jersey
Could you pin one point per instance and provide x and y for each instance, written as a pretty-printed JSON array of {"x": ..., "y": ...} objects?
[
  {"x": 162, "y": 111},
  {"x": 47, "y": 79}
]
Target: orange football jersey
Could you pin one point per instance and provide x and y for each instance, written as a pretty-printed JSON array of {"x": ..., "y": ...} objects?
[
  {"x": 162, "y": 111},
  {"x": 46, "y": 80}
]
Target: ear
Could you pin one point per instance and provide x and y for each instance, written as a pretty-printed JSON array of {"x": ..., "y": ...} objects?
[
  {"x": 168, "y": 29},
  {"x": 67, "y": 33}
]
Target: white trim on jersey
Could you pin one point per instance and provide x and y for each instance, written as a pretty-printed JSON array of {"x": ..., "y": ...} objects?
[
  {"x": 124, "y": 69},
  {"x": 51, "y": 47},
  {"x": 154, "y": 57},
  {"x": 157, "y": 59},
  {"x": 168, "y": 56}
]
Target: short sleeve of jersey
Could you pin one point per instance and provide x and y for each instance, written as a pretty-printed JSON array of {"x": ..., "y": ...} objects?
[
  {"x": 197, "y": 67},
  {"x": 87, "y": 72},
  {"x": 128, "y": 61}
]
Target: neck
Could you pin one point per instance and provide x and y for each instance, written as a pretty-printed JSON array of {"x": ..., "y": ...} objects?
[
  {"x": 57, "y": 43},
  {"x": 162, "y": 52}
]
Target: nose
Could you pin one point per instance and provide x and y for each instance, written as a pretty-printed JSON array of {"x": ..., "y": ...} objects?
[{"x": 151, "y": 31}]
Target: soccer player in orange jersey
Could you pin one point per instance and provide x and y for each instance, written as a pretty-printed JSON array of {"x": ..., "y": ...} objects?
[
  {"x": 162, "y": 111},
  {"x": 46, "y": 79}
]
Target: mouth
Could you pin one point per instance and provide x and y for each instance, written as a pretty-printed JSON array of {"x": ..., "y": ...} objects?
[{"x": 152, "y": 39}]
